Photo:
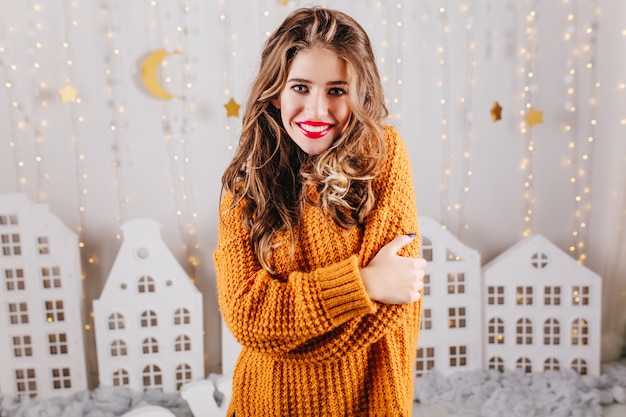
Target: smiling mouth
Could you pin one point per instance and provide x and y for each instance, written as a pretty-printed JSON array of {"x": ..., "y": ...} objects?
[{"x": 314, "y": 130}]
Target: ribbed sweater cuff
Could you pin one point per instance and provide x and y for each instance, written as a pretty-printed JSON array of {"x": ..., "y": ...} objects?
[{"x": 343, "y": 293}]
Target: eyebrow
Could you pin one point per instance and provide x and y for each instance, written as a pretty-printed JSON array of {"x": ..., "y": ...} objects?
[{"x": 303, "y": 81}]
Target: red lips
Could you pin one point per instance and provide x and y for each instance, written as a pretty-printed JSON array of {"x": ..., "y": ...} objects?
[{"x": 314, "y": 129}]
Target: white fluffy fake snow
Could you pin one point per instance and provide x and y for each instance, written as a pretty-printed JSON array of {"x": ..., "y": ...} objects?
[
  {"x": 102, "y": 402},
  {"x": 513, "y": 393}
]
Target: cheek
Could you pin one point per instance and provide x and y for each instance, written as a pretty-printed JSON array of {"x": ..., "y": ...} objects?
[
  {"x": 288, "y": 109},
  {"x": 345, "y": 113}
]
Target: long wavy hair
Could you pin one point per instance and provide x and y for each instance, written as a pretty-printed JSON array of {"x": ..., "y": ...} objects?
[{"x": 271, "y": 174}]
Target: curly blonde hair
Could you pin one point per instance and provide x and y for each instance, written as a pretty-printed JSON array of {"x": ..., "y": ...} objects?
[{"x": 270, "y": 173}]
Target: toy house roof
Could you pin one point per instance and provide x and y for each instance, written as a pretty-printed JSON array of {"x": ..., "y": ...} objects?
[
  {"x": 522, "y": 253},
  {"x": 40, "y": 217},
  {"x": 143, "y": 251},
  {"x": 445, "y": 240}
]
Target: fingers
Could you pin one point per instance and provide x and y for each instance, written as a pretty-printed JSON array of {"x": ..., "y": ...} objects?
[
  {"x": 421, "y": 263},
  {"x": 394, "y": 279},
  {"x": 414, "y": 283},
  {"x": 417, "y": 284}
]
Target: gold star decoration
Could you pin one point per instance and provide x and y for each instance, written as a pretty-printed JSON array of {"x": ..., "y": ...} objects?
[
  {"x": 68, "y": 93},
  {"x": 534, "y": 116},
  {"x": 232, "y": 108},
  {"x": 285, "y": 2},
  {"x": 496, "y": 112}
]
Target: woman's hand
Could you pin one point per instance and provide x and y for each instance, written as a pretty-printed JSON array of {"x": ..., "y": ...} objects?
[{"x": 393, "y": 279}]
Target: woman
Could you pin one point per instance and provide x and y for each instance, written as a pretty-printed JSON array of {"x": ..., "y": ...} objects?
[{"x": 317, "y": 269}]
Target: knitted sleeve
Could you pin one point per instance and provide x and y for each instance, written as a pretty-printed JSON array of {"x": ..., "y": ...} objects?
[
  {"x": 269, "y": 314},
  {"x": 325, "y": 311}
]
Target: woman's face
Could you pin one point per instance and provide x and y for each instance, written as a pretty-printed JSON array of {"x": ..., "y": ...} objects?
[{"x": 314, "y": 104}]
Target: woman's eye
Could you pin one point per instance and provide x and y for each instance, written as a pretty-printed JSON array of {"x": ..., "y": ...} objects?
[
  {"x": 299, "y": 88},
  {"x": 337, "y": 91}
]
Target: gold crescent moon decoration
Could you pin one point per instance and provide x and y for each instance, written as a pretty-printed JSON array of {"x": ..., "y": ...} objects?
[{"x": 150, "y": 73}]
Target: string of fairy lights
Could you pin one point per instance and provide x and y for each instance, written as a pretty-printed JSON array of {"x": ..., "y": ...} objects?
[
  {"x": 69, "y": 96},
  {"x": 444, "y": 86},
  {"x": 232, "y": 120},
  {"x": 115, "y": 90},
  {"x": 529, "y": 114},
  {"x": 15, "y": 113},
  {"x": 187, "y": 28},
  {"x": 581, "y": 127},
  {"x": 393, "y": 44},
  {"x": 39, "y": 89},
  {"x": 178, "y": 117},
  {"x": 467, "y": 10},
  {"x": 456, "y": 162}
]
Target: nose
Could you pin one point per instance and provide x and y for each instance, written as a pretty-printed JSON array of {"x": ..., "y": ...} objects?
[{"x": 317, "y": 104}]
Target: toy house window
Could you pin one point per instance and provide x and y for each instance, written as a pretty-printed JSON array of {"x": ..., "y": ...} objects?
[
  {"x": 551, "y": 364},
  {"x": 22, "y": 346},
  {"x": 495, "y": 295},
  {"x": 57, "y": 344},
  {"x": 580, "y": 366},
  {"x": 580, "y": 295},
  {"x": 14, "y": 279},
  {"x": 43, "y": 247},
  {"x": 456, "y": 317},
  {"x": 61, "y": 378},
  {"x": 524, "y": 296},
  {"x": 458, "y": 356},
  {"x": 51, "y": 277},
  {"x": 8, "y": 220},
  {"x": 146, "y": 284},
  {"x": 525, "y": 365},
  {"x": 495, "y": 331},
  {"x": 18, "y": 313},
  {"x": 552, "y": 296},
  {"x": 524, "y": 332},
  {"x": 496, "y": 363},
  {"x": 150, "y": 346},
  {"x": 152, "y": 378},
  {"x": 580, "y": 332},
  {"x": 551, "y": 332},
  {"x": 456, "y": 283},
  {"x": 116, "y": 322},
  {"x": 26, "y": 382},
  {"x": 427, "y": 321},
  {"x": 425, "y": 360},
  {"x": 539, "y": 260},
  {"x": 149, "y": 319},
  {"x": 426, "y": 289},
  {"x": 54, "y": 311},
  {"x": 118, "y": 348},
  {"x": 183, "y": 375},
  {"x": 10, "y": 244},
  {"x": 452, "y": 257},
  {"x": 182, "y": 344},
  {"x": 427, "y": 249},
  {"x": 182, "y": 316},
  {"x": 121, "y": 378}
]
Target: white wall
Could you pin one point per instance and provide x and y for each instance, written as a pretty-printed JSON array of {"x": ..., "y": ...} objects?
[{"x": 95, "y": 178}]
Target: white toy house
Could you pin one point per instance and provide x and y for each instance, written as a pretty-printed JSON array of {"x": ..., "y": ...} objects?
[
  {"x": 41, "y": 325},
  {"x": 542, "y": 310},
  {"x": 148, "y": 319},
  {"x": 450, "y": 337}
]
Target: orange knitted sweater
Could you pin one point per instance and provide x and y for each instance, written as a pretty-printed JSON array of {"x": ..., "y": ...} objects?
[{"x": 314, "y": 344}]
